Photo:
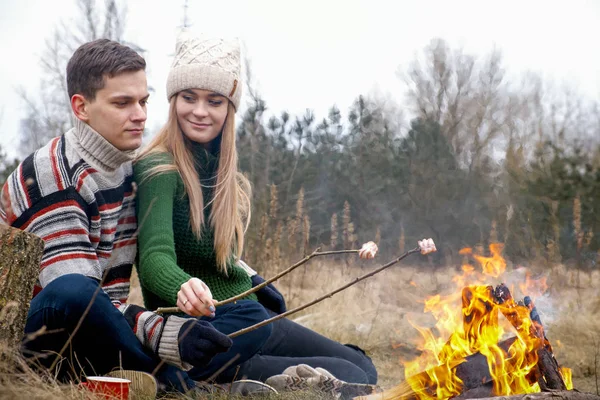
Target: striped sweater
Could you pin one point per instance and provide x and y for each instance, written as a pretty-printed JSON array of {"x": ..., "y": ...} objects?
[{"x": 77, "y": 194}]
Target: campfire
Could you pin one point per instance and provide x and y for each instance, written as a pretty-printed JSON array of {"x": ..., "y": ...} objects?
[{"x": 489, "y": 343}]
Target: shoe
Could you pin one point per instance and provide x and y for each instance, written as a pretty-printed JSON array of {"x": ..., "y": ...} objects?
[
  {"x": 323, "y": 371},
  {"x": 288, "y": 383},
  {"x": 143, "y": 385},
  {"x": 304, "y": 377}
]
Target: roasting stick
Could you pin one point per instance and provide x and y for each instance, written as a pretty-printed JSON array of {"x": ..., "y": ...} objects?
[
  {"x": 426, "y": 246},
  {"x": 368, "y": 250}
]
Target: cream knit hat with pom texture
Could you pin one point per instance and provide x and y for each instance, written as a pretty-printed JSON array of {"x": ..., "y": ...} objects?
[{"x": 209, "y": 63}]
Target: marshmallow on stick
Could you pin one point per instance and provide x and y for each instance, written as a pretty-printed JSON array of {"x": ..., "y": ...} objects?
[
  {"x": 427, "y": 246},
  {"x": 368, "y": 250}
]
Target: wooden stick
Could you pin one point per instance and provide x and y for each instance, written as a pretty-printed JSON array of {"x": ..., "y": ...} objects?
[
  {"x": 300, "y": 308},
  {"x": 316, "y": 253}
]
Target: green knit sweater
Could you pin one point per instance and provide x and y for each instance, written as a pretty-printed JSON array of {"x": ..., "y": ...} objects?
[{"x": 168, "y": 252}]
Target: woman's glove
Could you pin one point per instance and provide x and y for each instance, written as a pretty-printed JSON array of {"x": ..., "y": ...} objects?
[{"x": 269, "y": 296}]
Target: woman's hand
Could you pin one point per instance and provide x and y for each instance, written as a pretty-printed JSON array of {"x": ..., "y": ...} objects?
[{"x": 195, "y": 299}]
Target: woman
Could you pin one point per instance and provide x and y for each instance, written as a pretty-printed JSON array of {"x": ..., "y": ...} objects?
[{"x": 193, "y": 208}]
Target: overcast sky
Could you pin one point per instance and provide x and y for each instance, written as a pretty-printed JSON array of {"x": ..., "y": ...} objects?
[{"x": 313, "y": 54}]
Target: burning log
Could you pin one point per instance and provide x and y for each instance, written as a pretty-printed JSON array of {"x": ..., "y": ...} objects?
[
  {"x": 535, "y": 317},
  {"x": 472, "y": 372},
  {"x": 549, "y": 373},
  {"x": 527, "y": 322},
  {"x": 482, "y": 391}
]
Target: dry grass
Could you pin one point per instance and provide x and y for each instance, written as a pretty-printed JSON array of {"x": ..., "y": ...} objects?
[
  {"x": 18, "y": 381},
  {"x": 375, "y": 315}
]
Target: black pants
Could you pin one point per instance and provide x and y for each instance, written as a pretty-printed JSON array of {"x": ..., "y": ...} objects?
[{"x": 292, "y": 344}]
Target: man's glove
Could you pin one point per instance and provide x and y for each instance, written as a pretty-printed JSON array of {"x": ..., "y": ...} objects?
[
  {"x": 183, "y": 342},
  {"x": 269, "y": 296},
  {"x": 199, "y": 342}
]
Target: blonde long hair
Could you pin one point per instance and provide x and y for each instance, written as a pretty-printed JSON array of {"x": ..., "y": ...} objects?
[{"x": 230, "y": 213}]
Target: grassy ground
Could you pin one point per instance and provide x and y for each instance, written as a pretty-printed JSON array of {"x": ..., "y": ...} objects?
[{"x": 376, "y": 315}]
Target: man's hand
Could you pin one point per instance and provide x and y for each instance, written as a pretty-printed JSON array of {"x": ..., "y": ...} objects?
[
  {"x": 183, "y": 342},
  {"x": 195, "y": 299},
  {"x": 199, "y": 342}
]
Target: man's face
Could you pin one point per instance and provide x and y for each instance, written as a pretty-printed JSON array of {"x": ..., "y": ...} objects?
[{"x": 118, "y": 112}]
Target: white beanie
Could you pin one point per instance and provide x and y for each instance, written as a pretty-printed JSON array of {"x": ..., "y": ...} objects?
[{"x": 207, "y": 63}]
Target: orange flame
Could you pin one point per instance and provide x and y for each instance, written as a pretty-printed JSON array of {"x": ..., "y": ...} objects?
[
  {"x": 495, "y": 265},
  {"x": 567, "y": 377},
  {"x": 475, "y": 330},
  {"x": 534, "y": 287}
]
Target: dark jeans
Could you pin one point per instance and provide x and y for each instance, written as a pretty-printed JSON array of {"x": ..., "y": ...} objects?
[
  {"x": 231, "y": 318},
  {"x": 292, "y": 344},
  {"x": 105, "y": 340}
]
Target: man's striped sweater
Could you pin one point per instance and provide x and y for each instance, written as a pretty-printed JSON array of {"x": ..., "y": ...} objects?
[{"x": 77, "y": 194}]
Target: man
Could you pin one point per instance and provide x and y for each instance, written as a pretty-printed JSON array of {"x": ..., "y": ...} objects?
[{"x": 77, "y": 194}]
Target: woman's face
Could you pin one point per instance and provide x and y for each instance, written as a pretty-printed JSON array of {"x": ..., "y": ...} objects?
[{"x": 201, "y": 114}]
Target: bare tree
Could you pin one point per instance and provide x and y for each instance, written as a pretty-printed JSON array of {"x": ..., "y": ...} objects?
[
  {"x": 466, "y": 98},
  {"x": 481, "y": 112}
]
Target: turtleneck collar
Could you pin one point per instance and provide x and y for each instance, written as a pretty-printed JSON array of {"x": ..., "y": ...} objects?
[
  {"x": 206, "y": 161},
  {"x": 96, "y": 150}
]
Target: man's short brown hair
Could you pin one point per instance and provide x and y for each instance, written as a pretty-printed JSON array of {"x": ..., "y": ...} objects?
[{"x": 94, "y": 60}]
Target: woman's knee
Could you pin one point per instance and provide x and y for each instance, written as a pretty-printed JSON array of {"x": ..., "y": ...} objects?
[
  {"x": 369, "y": 368},
  {"x": 256, "y": 313},
  {"x": 252, "y": 310},
  {"x": 243, "y": 314},
  {"x": 365, "y": 363}
]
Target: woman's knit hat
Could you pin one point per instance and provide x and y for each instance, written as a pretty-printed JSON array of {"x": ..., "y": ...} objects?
[{"x": 208, "y": 63}]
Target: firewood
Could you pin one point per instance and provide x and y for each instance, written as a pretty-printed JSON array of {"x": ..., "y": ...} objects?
[
  {"x": 481, "y": 391},
  {"x": 550, "y": 377},
  {"x": 548, "y": 370},
  {"x": 475, "y": 371}
]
